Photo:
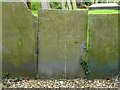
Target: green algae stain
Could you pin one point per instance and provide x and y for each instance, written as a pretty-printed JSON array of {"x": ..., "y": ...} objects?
[{"x": 103, "y": 50}]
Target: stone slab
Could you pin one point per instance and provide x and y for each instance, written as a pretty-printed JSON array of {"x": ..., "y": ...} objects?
[
  {"x": 104, "y": 6},
  {"x": 62, "y": 35},
  {"x": 103, "y": 50},
  {"x": 18, "y": 40}
]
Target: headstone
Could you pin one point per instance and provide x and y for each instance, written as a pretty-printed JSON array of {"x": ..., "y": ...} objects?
[
  {"x": 103, "y": 50},
  {"x": 62, "y": 37},
  {"x": 18, "y": 40}
]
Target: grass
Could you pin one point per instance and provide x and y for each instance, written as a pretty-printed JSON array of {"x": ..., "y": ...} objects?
[
  {"x": 98, "y": 11},
  {"x": 35, "y": 13},
  {"x": 103, "y": 11}
]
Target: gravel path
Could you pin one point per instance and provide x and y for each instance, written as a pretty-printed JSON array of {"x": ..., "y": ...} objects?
[{"x": 61, "y": 83}]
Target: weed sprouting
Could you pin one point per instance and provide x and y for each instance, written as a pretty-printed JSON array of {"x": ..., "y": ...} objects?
[{"x": 84, "y": 65}]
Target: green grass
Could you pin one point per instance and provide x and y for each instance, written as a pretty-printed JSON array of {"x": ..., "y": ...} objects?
[
  {"x": 104, "y": 11},
  {"x": 35, "y": 12}
]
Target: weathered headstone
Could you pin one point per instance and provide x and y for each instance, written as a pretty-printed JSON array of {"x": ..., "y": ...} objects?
[
  {"x": 62, "y": 39},
  {"x": 18, "y": 40},
  {"x": 103, "y": 50}
]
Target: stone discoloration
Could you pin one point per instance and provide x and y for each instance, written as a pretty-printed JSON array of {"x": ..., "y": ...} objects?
[
  {"x": 18, "y": 40},
  {"x": 103, "y": 50}
]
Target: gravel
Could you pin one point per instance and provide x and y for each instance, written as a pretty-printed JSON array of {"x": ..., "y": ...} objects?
[{"x": 59, "y": 83}]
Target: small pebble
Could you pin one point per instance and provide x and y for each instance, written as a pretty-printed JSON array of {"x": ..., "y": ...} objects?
[{"x": 62, "y": 83}]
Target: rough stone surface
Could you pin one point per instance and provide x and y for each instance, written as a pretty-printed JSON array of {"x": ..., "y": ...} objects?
[
  {"x": 18, "y": 40},
  {"x": 62, "y": 40},
  {"x": 103, "y": 50}
]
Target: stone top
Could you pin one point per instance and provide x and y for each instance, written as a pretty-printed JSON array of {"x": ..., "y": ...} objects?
[{"x": 104, "y": 5}]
